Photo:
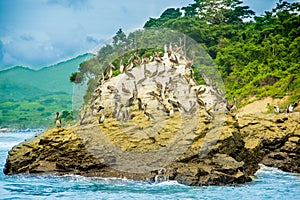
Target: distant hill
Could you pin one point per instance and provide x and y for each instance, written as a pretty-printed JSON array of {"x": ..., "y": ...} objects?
[
  {"x": 30, "y": 98},
  {"x": 19, "y": 83}
]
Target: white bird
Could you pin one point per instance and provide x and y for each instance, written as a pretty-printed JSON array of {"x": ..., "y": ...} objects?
[
  {"x": 291, "y": 107},
  {"x": 276, "y": 109}
]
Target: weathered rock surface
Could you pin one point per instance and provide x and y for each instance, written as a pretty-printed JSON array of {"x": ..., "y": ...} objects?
[{"x": 275, "y": 138}]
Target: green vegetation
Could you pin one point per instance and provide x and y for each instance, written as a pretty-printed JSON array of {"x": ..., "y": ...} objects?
[
  {"x": 256, "y": 56},
  {"x": 30, "y": 98},
  {"x": 37, "y": 113}
]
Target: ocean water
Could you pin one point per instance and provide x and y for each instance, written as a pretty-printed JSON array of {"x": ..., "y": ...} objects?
[{"x": 269, "y": 183}]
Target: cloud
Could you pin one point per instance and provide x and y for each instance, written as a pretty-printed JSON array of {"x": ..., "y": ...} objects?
[
  {"x": 39, "y": 33},
  {"x": 74, "y": 4}
]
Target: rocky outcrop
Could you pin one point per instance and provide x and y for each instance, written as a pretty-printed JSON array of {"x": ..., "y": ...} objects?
[
  {"x": 161, "y": 125},
  {"x": 275, "y": 138}
]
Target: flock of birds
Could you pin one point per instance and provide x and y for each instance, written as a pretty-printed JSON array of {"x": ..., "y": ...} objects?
[
  {"x": 289, "y": 109},
  {"x": 168, "y": 79}
]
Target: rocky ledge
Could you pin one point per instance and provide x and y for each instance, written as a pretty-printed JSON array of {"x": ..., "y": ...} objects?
[{"x": 272, "y": 140}]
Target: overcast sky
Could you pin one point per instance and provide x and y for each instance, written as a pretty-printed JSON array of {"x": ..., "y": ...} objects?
[{"x": 38, "y": 33}]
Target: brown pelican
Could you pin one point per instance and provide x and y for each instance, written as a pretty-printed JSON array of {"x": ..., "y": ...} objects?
[
  {"x": 200, "y": 102},
  {"x": 119, "y": 113},
  {"x": 193, "y": 108},
  {"x": 111, "y": 88},
  {"x": 115, "y": 111},
  {"x": 157, "y": 57},
  {"x": 140, "y": 104},
  {"x": 130, "y": 75},
  {"x": 158, "y": 85},
  {"x": 122, "y": 67},
  {"x": 200, "y": 91},
  {"x": 171, "y": 112},
  {"x": 157, "y": 96},
  {"x": 163, "y": 71},
  {"x": 130, "y": 102},
  {"x": 124, "y": 89},
  {"x": 135, "y": 91},
  {"x": 276, "y": 109},
  {"x": 231, "y": 107},
  {"x": 147, "y": 114},
  {"x": 141, "y": 80},
  {"x": 173, "y": 69},
  {"x": 175, "y": 104},
  {"x": 101, "y": 118},
  {"x": 58, "y": 121},
  {"x": 291, "y": 107},
  {"x": 110, "y": 71},
  {"x": 146, "y": 71},
  {"x": 175, "y": 60},
  {"x": 100, "y": 108},
  {"x": 154, "y": 73},
  {"x": 138, "y": 61},
  {"x": 207, "y": 112}
]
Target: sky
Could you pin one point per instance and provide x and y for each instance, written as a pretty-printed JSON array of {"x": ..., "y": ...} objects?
[{"x": 37, "y": 33}]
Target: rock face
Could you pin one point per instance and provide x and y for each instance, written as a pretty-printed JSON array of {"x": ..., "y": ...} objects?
[
  {"x": 275, "y": 138},
  {"x": 162, "y": 126}
]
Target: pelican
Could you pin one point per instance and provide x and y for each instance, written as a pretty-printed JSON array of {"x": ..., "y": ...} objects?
[
  {"x": 276, "y": 109},
  {"x": 193, "y": 108},
  {"x": 119, "y": 113},
  {"x": 130, "y": 75},
  {"x": 129, "y": 102},
  {"x": 146, "y": 71},
  {"x": 207, "y": 112},
  {"x": 154, "y": 73},
  {"x": 135, "y": 91},
  {"x": 158, "y": 85},
  {"x": 147, "y": 114},
  {"x": 199, "y": 91},
  {"x": 163, "y": 71},
  {"x": 291, "y": 107},
  {"x": 171, "y": 112},
  {"x": 124, "y": 89},
  {"x": 173, "y": 69},
  {"x": 141, "y": 80},
  {"x": 110, "y": 71},
  {"x": 58, "y": 121},
  {"x": 175, "y": 60},
  {"x": 140, "y": 104},
  {"x": 200, "y": 102},
  {"x": 101, "y": 118},
  {"x": 114, "y": 113},
  {"x": 122, "y": 67},
  {"x": 111, "y": 88},
  {"x": 138, "y": 61},
  {"x": 231, "y": 107},
  {"x": 175, "y": 104}
]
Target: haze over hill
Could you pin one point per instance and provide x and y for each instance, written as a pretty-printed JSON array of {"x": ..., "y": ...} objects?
[{"x": 30, "y": 97}]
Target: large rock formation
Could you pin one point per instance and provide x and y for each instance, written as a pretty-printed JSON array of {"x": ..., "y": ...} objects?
[{"x": 160, "y": 125}]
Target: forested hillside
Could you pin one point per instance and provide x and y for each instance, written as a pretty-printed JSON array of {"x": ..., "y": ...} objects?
[
  {"x": 257, "y": 56},
  {"x": 30, "y": 98}
]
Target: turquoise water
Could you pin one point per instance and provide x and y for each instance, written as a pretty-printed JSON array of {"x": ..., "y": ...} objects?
[{"x": 269, "y": 183}]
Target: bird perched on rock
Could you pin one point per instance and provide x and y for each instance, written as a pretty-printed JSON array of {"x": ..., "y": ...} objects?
[
  {"x": 58, "y": 121},
  {"x": 291, "y": 107},
  {"x": 150, "y": 116},
  {"x": 276, "y": 109},
  {"x": 231, "y": 107}
]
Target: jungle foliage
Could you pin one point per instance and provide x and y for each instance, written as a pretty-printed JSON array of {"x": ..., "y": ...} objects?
[{"x": 256, "y": 55}]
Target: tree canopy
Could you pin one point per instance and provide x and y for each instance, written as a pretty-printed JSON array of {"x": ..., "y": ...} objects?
[{"x": 256, "y": 55}]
